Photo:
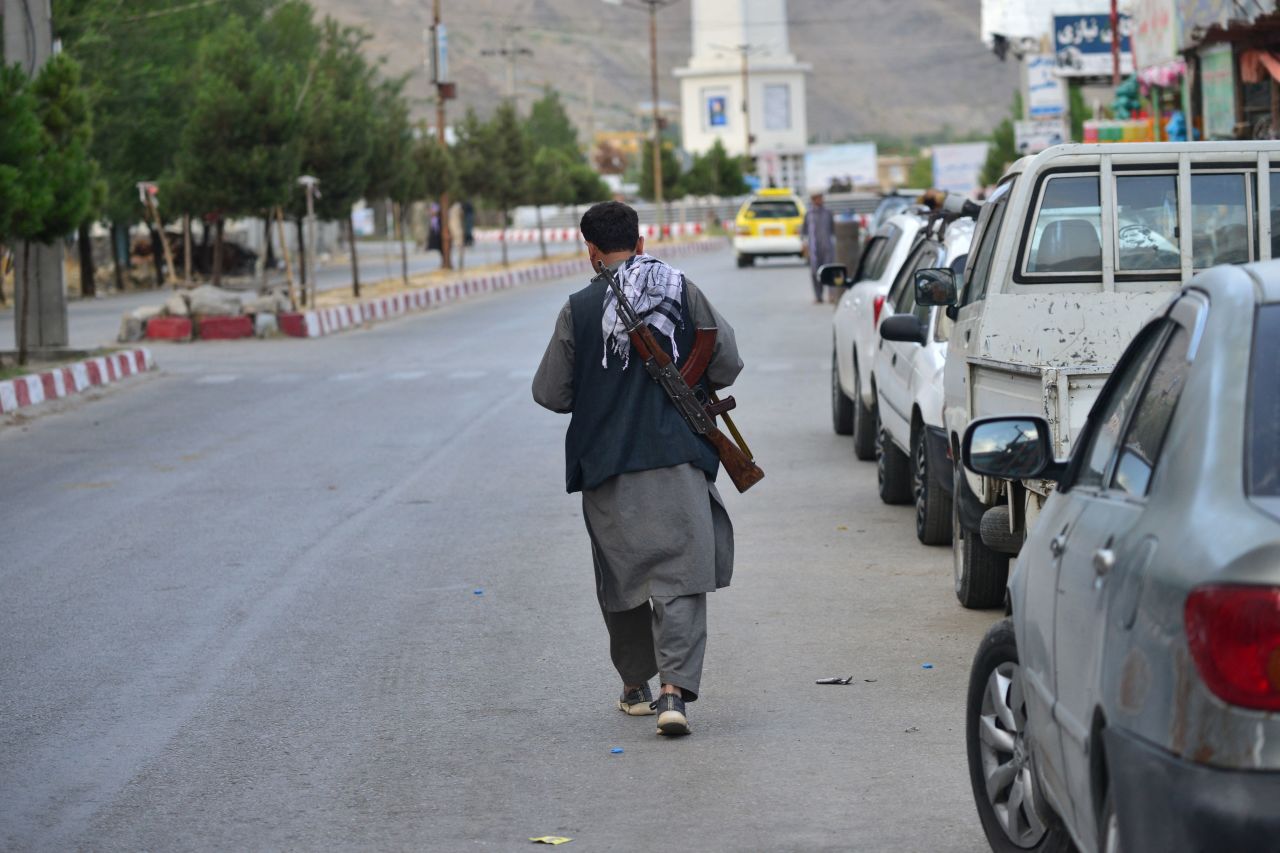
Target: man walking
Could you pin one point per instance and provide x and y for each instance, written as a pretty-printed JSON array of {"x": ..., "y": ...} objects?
[
  {"x": 819, "y": 231},
  {"x": 660, "y": 536}
]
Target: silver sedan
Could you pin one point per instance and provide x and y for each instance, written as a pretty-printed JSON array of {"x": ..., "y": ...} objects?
[{"x": 1130, "y": 700}]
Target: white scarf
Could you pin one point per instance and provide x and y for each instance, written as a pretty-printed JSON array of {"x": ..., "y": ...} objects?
[{"x": 655, "y": 291}]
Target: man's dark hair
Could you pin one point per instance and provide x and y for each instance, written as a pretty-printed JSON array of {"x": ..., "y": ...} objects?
[{"x": 611, "y": 226}]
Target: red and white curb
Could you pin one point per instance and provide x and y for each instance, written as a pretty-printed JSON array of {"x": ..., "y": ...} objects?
[
  {"x": 572, "y": 235},
  {"x": 35, "y": 388},
  {"x": 327, "y": 321}
]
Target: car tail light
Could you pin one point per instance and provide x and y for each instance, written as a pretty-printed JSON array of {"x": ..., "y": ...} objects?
[
  {"x": 1234, "y": 635},
  {"x": 875, "y": 310}
]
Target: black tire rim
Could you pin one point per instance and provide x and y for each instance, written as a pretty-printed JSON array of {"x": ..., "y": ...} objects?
[{"x": 920, "y": 481}]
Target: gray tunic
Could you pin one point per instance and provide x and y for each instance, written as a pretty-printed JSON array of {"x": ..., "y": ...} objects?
[
  {"x": 662, "y": 532},
  {"x": 819, "y": 229}
]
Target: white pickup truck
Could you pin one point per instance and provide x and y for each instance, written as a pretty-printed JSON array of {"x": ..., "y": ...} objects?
[{"x": 1073, "y": 251}]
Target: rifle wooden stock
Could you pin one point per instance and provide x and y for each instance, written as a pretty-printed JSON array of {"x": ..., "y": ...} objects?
[{"x": 742, "y": 471}]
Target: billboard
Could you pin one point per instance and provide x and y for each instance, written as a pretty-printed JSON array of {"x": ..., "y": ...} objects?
[
  {"x": 1032, "y": 137},
  {"x": 717, "y": 110},
  {"x": 1082, "y": 45},
  {"x": 853, "y": 163},
  {"x": 1045, "y": 96},
  {"x": 957, "y": 167},
  {"x": 1155, "y": 32}
]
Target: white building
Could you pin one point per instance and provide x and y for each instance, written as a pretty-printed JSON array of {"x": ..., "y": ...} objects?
[{"x": 711, "y": 87}]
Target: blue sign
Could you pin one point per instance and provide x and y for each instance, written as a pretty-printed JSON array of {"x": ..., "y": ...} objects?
[
  {"x": 717, "y": 111},
  {"x": 1082, "y": 44}
]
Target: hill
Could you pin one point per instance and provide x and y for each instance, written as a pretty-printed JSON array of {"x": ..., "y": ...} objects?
[{"x": 895, "y": 68}]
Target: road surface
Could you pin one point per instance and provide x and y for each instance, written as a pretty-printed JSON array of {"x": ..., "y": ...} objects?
[{"x": 330, "y": 594}]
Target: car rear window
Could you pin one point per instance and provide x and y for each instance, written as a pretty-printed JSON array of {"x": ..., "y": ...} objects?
[
  {"x": 774, "y": 209},
  {"x": 1262, "y": 455}
]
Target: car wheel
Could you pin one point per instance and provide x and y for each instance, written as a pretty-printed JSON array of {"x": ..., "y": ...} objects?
[
  {"x": 980, "y": 573},
  {"x": 933, "y": 506},
  {"x": 841, "y": 405},
  {"x": 893, "y": 469},
  {"x": 864, "y": 421},
  {"x": 746, "y": 260},
  {"x": 1014, "y": 814}
]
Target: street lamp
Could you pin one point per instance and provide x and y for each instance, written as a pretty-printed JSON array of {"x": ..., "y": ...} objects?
[{"x": 653, "y": 7}]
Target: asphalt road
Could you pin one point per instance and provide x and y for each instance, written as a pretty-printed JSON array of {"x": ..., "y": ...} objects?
[
  {"x": 240, "y": 611},
  {"x": 93, "y": 323}
]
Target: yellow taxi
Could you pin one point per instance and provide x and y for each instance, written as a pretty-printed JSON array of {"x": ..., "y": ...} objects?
[{"x": 768, "y": 223}]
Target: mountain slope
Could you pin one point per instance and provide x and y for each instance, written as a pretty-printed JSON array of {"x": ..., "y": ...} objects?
[{"x": 892, "y": 67}]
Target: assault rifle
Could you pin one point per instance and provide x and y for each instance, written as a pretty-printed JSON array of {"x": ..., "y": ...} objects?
[{"x": 699, "y": 415}]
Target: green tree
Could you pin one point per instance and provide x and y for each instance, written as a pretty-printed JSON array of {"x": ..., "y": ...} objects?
[
  {"x": 435, "y": 174},
  {"x": 551, "y": 182},
  {"x": 24, "y": 195},
  {"x": 64, "y": 169},
  {"x": 921, "y": 175},
  {"x": 391, "y": 173},
  {"x": 1077, "y": 109},
  {"x": 337, "y": 138},
  {"x": 494, "y": 161},
  {"x": 713, "y": 173},
  {"x": 670, "y": 172},
  {"x": 549, "y": 126},
  {"x": 239, "y": 149},
  {"x": 1003, "y": 148}
]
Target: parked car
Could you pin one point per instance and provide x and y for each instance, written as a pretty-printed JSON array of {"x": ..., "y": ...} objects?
[
  {"x": 886, "y": 207},
  {"x": 1130, "y": 700},
  {"x": 853, "y": 328},
  {"x": 768, "y": 224},
  {"x": 1073, "y": 248},
  {"x": 911, "y": 443}
]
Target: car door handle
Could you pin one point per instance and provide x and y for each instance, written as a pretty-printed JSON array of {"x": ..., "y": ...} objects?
[
  {"x": 1104, "y": 560},
  {"x": 1058, "y": 544},
  {"x": 894, "y": 360}
]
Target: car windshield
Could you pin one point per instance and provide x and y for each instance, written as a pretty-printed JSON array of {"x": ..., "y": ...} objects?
[
  {"x": 774, "y": 209},
  {"x": 1262, "y": 455}
]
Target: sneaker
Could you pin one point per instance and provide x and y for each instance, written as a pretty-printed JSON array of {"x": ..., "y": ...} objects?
[
  {"x": 637, "y": 703},
  {"x": 671, "y": 718}
]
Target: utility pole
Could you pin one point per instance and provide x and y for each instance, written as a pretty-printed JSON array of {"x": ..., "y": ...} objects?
[
  {"x": 444, "y": 92},
  {"x": 309, "y": 183},
  {"x": 511, "y": 54},
  {"x": 654, "y": 6},
  {"x": 745, "y": 51},
  {"x": 1115, "y": 43},
  {"x": 28, "y": 42}
]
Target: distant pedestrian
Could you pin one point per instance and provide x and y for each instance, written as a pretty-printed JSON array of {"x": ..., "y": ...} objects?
[
  {"x": 819, "y": 232},
  {"x": 660, "y": 536}
]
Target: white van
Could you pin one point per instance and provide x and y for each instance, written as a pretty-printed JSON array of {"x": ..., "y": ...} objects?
[{"x": 1074, "y": 250}]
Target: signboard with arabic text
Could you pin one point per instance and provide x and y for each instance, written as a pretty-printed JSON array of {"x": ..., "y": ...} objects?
[
  {"x": 1045, "y": 96},
  {"x": 1082, "y": 45}
]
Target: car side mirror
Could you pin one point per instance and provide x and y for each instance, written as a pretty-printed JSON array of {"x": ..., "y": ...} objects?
[
  {"x": 836, "y": 275},
  {"x": 1011, "y": 448},
  {"x": 904, "y": 327},
  {"x": 936, "y": 287}
]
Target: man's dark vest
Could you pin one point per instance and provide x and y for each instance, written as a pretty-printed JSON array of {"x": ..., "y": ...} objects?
[{"x": 622, "y": 420}]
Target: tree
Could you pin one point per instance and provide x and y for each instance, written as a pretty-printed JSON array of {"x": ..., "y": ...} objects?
[
  {"x": 670, "y": 172},
  {"x": 337, "y": 139},
  {"x": 435, "y": 174},
  {"x": 549, "y": 126},
  {"x": 921, "y": 175},
  {"x": 493, "y": 160},
  {"x": 24, "y": 196},
  {"x": 1003, "y": 149},
  {"x": 551, "y": 182},
  {"x": 713, "y": 173},
  {"x": 239, "y": 149},
  {"x": 391, "y": 173},
  {"x": 63, "y": 168}
]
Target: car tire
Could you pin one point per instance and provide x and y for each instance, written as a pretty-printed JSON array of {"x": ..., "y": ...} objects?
[
  {"x": 864, "y": 421},
  {"x": 893, "y": 469},
  {"x": 980, "y": 573},
  {"x": 841, "y": 405},
  {"x": 746, "y": 260},
  {"x": 1014, "y": 814},
  {"x": 933, "y": 505}
]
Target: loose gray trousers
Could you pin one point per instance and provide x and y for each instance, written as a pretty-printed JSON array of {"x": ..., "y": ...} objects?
[{"x": 663, "y": 636}]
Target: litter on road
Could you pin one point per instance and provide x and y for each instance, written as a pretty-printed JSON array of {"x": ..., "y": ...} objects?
[
  {"x": 834, "y": 680},
  {"x": 617, "y": 750},
  {"x": 551, "y": 839},
  {"x": 926, "y": 666}
]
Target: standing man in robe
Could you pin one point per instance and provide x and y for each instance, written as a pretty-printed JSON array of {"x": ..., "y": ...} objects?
[
  {"x": 660, "y": 537},
  {"x": 819, "y": 232}
]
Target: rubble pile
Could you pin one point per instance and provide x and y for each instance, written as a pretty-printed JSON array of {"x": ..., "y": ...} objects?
[{"x": 206, "y": 312}]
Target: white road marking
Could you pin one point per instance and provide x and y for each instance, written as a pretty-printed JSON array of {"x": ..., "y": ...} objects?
[
  {"x": 282, "y": 378},
  {"x": 218, "y": 378},
  {"x": 467, "y": 374},
  {"x": 346, "y": 377},
  {"x": 408, "y": 375}
]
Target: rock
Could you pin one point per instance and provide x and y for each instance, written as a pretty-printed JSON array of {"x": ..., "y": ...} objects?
[
  {"x": 270, "y": 303},
  {"x": 265, "y": 325},
  {"x": 176, "y": 306},
  {"x": 146, "y": 312},
  {"x": 131, "y": 329},
  {"x": 209, "y": 300}
]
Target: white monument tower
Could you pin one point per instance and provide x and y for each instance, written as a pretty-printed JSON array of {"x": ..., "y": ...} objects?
[{"x": 740, "y": 47}]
